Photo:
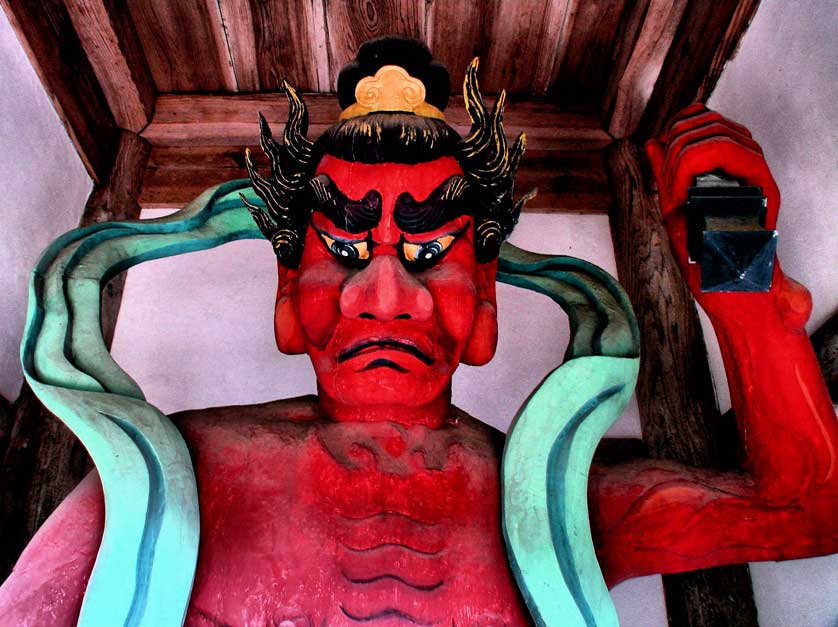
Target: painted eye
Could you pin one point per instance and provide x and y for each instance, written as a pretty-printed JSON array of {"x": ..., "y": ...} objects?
[
  {"x": 353, "y": 254},
  {"x": 422, "y": 255}
]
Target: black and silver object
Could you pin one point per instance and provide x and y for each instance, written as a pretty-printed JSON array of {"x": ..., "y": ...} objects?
[{"x": 726, "y": 234}]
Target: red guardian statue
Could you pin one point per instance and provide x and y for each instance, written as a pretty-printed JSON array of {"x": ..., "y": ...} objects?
[{"x": 377, "y": 502}]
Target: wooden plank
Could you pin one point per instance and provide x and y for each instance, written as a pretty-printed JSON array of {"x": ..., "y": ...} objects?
[
  {"x": 198, "y": 120},
  {"x": 237, "y": 21},
  {"x": 41, "y": 461},
  {"x": 290, "y": 39},
  {"x": 707, "y": 37},
  {"x": 568, "y": 182},
  {"x": 350, "y": 23},
  {"x": 625, "y": 41},
  {"x": 184, "y": 44},
  {"x": 455, "y": 34},
  {"x": 559, "y": 18},
  {"x": 675, "y": 395},
  {"x": 633, "y": 86},
  {"x": 514, "y": 48},
  {"x": 110, "y": 40},
  {"x": 47, "y": 34},
  {"x": 583, "y": 75}
]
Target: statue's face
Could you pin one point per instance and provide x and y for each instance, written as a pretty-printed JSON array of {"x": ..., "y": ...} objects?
[{"x": 388, "y": 298}]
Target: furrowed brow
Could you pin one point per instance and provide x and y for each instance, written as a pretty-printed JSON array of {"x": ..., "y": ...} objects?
[
  {"x": 353, "y": 216},
  {"x": 445, "y": 203}
]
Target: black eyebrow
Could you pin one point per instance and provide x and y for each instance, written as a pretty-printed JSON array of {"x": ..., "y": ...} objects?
[
  {"x": 353, "y": 216},
  {"x": 443, "y": 204}
]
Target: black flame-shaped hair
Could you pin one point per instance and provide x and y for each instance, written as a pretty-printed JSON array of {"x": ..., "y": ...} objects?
[
  {"x": 489, "y": 166},
  {"x": 484, "y": 155},
  {"x": 282, "y": 221}
]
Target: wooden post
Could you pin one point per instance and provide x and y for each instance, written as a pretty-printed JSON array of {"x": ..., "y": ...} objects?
[
  {"x": 42, "y": 460},
  {"x": 679, "y": 417},
  {"x": 825, "y": 343}
]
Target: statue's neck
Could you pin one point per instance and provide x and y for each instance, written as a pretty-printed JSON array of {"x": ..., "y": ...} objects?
[{"x": 434, "y": 414}]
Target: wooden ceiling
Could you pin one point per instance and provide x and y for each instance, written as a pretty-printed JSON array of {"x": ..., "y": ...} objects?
[{"x": 190, "y": 76}]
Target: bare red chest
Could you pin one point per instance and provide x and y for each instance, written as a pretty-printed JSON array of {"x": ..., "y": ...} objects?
[{"x": 342, "y": 524}]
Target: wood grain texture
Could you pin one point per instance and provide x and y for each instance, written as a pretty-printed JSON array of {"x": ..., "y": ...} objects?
[
  {"x": 110, "y": 40},
  {"x": 675, "y": 395},
  {"x": 706, "y": 38},
  {"x": 290, "y": 40},
  {"x": 559, "y": 17},
  {"x": 568, "y": 182},
  {"x": 349, "y": 23},
  {"x": 185, "y": 120},
  {"x": 455, "y": 32},
  {"x": 237, "y": 21},
  {"x": 635, "y": 85},
  {"x": 184, "y": 44},
  {"x": 624, "y": 43},
  {"x": 41, "y": 461},
  {"x": 47, "y": 34},
  {"x": 514, "y": 46},
  {"x": 583, "y": 75}
]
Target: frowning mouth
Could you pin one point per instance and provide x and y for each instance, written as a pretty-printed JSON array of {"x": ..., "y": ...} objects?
[{"x": 368, "y": 346}]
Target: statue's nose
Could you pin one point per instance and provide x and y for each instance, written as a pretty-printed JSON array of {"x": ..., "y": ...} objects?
[{"x": 384, "y": 290}]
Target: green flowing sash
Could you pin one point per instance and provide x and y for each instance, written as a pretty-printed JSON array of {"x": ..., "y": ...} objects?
[{"x": 146, "y": 563}]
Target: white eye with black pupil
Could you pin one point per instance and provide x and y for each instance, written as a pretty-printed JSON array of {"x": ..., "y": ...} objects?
[
  {"x": 422, "y": 255},
  {"x": 344, "y": 250}
]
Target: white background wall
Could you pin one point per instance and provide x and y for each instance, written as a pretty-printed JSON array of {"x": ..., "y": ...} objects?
[
  {"x": 44, "y": 187},
  {"x": 201, "y": 335},
  {"x": 783, "y": 85}
]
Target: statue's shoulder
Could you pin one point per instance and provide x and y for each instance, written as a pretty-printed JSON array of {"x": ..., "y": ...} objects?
[{"x": 285, "y": 420}]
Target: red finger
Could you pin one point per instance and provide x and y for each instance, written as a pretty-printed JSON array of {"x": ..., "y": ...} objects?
[
  {"x": 709, "y": 131},
  {"x": 733, "y": 158},
  {"x": 708, "y": 117}
]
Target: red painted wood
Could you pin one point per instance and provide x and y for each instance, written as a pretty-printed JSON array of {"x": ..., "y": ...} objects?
[{"x": 659, "y": 517}]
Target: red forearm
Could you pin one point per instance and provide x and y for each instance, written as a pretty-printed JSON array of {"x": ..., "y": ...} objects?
[{"x": 656, "y": 516}]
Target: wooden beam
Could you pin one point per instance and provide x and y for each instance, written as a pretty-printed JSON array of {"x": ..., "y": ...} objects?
[
  {"x": 290, "y": 41},
  {"x": 455, "y": 42},
  {"x": 232, "y": 120},
  {"x": 47, "y": 34},
  {"x": 237, "y": 21},
  {"x": 199, "y": 141},
  {"x": 706, "y": 39},
  {"x": 631, "y": 83},
  {"x": 41, "y": 461},
  {"x": 583, "y": 75},
  {"x": 568, "y": 182},
  {"x": 184, "y": 44},
  {"x": 107, "y": 35},
  {"x": 558, "y": 24},
  {"x": 675, "y": 395}
]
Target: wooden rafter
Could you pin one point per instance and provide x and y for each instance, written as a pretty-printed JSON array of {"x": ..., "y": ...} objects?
[
  {"x": 706, "y": 39},
  {"x": 107, "y": 34},
  {"x": 199, "y": 141},
  {"x": 49, "y": 38},
  {"x": 641, "y": 50}
]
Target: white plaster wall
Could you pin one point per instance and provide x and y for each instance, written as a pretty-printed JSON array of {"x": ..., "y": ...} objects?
[
  {"x": 783, "y": 85},
  {"x": 43, "y": 189}
]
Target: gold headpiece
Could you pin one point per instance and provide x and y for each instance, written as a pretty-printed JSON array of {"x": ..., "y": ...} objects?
[{"x": 391, "y": 89}]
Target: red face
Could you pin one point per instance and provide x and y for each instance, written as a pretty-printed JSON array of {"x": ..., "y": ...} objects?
[{"x": 388, "y": 298}]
